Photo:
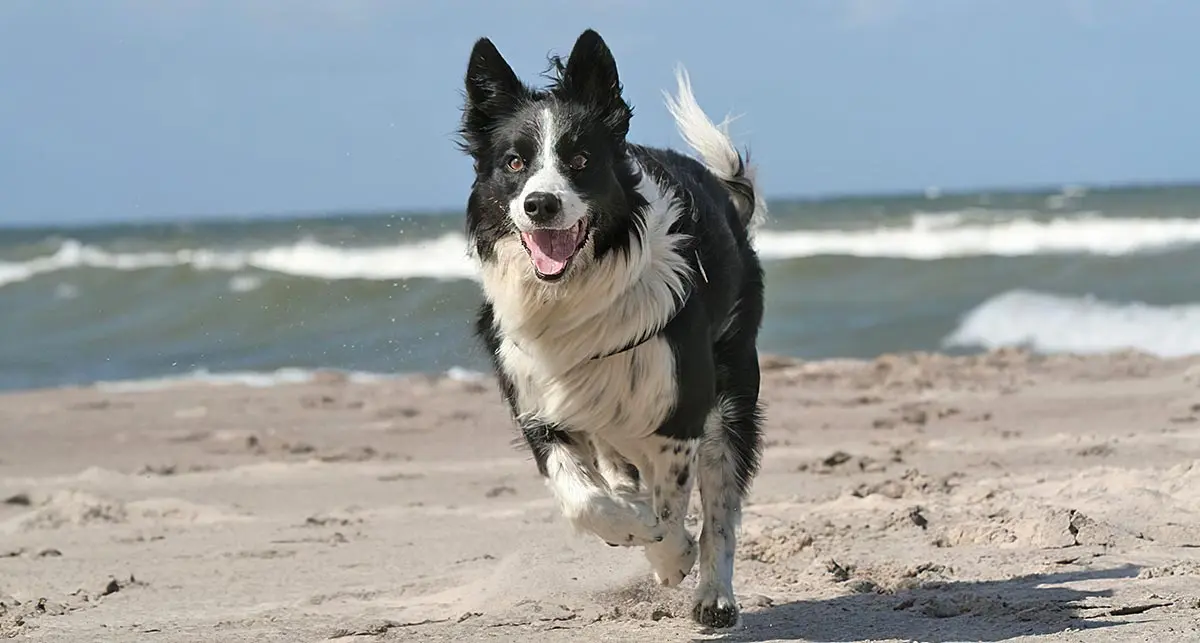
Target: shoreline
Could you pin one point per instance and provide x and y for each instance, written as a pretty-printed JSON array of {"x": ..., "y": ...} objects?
[
  {"x": 995, "y": 496},
  {"x": 768, "y": 362}
]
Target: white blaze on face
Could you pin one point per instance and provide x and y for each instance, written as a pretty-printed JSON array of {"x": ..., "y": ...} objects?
[
  {"x": 550, "y": 244},
  {"x": 548, "y": 177}
]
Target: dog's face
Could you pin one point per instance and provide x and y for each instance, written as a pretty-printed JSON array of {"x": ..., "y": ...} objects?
[{"x": 547, "y": 162}]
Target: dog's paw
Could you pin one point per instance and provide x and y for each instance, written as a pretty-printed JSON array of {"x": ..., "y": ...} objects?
[
  {"x": 619, "y": 521},
  {"x": 714, "y": 608},
  {"x": 672, "y": 559},
  {"x": 640, "y": 525}
]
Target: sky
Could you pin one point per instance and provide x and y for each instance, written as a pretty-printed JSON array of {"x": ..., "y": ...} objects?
[{"x": 167, "y": 109}]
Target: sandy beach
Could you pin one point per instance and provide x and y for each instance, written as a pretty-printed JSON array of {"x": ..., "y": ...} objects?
[{"x": 912, "y": 497}]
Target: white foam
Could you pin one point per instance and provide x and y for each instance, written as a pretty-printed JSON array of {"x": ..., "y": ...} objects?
[
  {"x": 952, "y": 234},
  {"x": 441, "y": 258},
  {"x": 1054, "y": 324},
  {"x": 260, "y": 379},
  {"x": 204, "y": 376},
  {"x": 245, "y": 283},
  {"x": 460, "y": 374},
  {"x": 928, "y": 236}
]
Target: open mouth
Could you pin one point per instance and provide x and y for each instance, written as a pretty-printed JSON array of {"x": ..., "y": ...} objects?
[{"x": 551, "y": 251}]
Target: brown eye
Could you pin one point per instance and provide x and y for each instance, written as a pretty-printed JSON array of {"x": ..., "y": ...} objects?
[
  {"x": 516, "y": 163},
  {"x": 578, "y": 162}
]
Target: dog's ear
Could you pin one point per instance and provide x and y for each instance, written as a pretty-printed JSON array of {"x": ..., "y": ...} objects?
[
  {"x": 489, "y": 77},
  {"x": 591, "y": 76},
  {"x": 492, "y": 90}
]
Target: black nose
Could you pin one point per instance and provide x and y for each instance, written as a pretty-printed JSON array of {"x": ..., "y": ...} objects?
[{"x": 542, "y": 206}]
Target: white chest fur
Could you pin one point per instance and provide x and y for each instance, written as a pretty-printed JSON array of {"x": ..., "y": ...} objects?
[
  {"x": 627, "y": 395},
  {"x": 550, "y": 332}
]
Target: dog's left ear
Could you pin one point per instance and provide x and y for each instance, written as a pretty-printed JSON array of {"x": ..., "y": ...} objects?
[{"x": 591, "y": 76}]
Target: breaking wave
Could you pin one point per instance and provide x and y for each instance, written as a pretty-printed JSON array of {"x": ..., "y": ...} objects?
[
  {"x": 1056, "y": 324},
  {"x": 927, "y": 237}
]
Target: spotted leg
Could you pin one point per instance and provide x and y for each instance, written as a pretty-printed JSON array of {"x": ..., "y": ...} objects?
[
  {"x": 727, "y": 460},
  {"x": 669, "y": 473}
]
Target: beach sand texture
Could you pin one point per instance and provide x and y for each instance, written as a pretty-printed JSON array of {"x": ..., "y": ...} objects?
[{"x": 912, "y": 497}]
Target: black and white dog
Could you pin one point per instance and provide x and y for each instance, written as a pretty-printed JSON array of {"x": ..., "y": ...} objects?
[{"x": 623, "y": 304}]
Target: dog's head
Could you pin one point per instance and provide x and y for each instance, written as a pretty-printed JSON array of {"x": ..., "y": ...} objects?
[{"x": 550, "y": 164}]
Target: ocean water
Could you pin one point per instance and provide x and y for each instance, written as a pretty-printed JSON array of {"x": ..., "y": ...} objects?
[{"x": 260, "y": 301}]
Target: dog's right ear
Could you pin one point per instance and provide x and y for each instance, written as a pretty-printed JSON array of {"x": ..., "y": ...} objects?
[
  {"x": 492, "y": 86},
  {"x": 493, "y": 91}
]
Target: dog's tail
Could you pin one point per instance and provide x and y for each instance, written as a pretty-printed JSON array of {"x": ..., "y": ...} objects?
[{"x": 716, "y": 150}]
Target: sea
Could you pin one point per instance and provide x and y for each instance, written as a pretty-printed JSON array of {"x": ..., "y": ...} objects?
[{"x": 276, "y": 299}]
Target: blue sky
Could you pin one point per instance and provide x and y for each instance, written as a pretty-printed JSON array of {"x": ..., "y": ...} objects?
[{"x": 122, "y": 109}]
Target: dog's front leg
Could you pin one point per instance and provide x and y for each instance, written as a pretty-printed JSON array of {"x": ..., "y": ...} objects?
[
  {"x": 670, "y": 468},
  {"x": 568, "y": 463}
]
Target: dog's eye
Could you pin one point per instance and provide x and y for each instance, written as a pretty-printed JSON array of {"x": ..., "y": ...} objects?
[
  {"x": 516, "y": 163},
  {"x": 578, "y": 162}
]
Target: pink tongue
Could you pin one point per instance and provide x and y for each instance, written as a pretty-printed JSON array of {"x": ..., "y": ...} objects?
[{"x": 550, "y": 250}]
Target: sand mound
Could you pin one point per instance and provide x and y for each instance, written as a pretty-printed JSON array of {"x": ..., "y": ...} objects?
[{"x": 79, "y": 509}]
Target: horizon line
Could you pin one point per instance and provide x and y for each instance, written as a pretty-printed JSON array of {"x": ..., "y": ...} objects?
[{"x": 820, "y": 197}]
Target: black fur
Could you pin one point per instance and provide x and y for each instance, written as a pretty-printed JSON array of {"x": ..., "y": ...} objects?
[{"x": 709, "y": 364}]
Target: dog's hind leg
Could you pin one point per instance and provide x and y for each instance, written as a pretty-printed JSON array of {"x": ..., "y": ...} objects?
[
  {"x": 727, "y": 462},
  {"x": 722, "y": 473},
  {"x": 568, "y": 463}
]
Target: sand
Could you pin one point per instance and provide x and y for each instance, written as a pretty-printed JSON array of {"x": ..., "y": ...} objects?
[{"x": 913, "y": 497}]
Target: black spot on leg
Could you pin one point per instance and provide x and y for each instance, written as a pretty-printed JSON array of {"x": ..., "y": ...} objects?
[
  {"x": 635, "y": 476},
  {"x": 664, "y": 448},
  {"x": 682, "y": 478},
  {"x": 678, "y": 449}
]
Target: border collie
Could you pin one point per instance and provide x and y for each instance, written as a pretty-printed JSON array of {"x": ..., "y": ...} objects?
[{"x": 623, "y": 302}]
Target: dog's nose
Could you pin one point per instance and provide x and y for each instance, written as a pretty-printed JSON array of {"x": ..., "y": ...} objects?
[{"x": 542, "y": 207}]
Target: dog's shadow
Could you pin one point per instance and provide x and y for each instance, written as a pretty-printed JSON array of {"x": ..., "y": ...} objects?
[{"x": 964, "y": 611}]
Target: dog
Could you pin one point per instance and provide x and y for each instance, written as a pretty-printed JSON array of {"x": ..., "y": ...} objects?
[{"x": 622, "y": 306}]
